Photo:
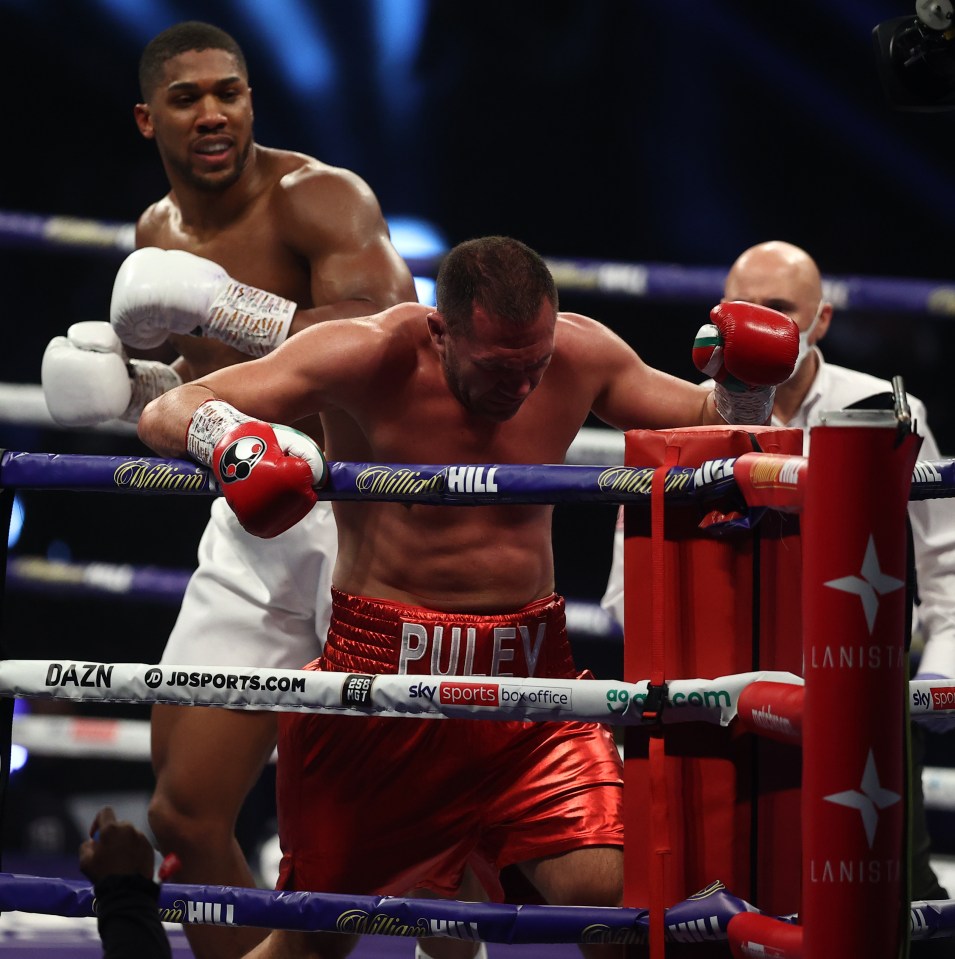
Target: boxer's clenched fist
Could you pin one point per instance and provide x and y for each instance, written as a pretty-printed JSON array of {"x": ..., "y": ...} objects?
[
  {"x": 158, "y": 292},
  {"x": 748, "y": 350},
  {"x": 268, "y": 473},
  {"x": 88, "y": 379}
]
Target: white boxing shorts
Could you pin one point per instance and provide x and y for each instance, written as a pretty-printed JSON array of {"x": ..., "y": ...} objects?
[{"x": 257, "y": 602}]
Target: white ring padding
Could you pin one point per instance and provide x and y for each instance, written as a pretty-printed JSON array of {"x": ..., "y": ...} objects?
[
  {"x": 938, "y": 787},
  {"x": 24, "y": 405},
  {"x": 355, "y": 694},
  {"x": 596, "y": 447},
  {"x": 585, "y": 618},
  {"x": 92, "y": 737},
  {"x": 84, "y": 737}
]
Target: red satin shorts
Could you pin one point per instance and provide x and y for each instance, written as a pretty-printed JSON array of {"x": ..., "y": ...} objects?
[{"x": 383, "y": 806}]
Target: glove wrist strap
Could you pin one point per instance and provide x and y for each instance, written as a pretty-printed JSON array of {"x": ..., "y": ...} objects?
[
  {"x": 750, "y": 407},
  {"x": 210, "y": 422},
  {"x": 148, "y": 379},
  {"x": 249, "y": 320}
]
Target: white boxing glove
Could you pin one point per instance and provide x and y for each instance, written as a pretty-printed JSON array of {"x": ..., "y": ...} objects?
[
  {"x": 158, "y": 292},
  {"x": 87, "y": 378}
]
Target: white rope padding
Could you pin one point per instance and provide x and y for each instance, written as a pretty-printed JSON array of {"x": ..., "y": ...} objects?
[
  {"x": 354, "y": 694},
  {"x": 928, "y": 696},
  {"x": 24, "y": 405},
  {"x": 938, "y": 787},
  {"x": 79, "y": 737},
  {"x": 429, "y": 696},
  {"x": 585, "y": 618},
  {"x": 84, "y": 737}
]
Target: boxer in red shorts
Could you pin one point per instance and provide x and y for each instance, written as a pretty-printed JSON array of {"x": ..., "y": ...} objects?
[
  {"x": 493, "y": 375},
  {"x": 348, "y": 818}
]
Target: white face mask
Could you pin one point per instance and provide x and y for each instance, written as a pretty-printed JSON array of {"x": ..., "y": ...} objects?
[{"x": 804, "y": 347}]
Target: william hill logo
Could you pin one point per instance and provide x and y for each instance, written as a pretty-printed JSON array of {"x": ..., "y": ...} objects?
[
  {"x": 388, "y": 480},
  {"x": 639, "y": 479},
  {"x": 362, "y": 922},
  {"x": 187, "y": 910},
  {"x": 141, "y": 474}
]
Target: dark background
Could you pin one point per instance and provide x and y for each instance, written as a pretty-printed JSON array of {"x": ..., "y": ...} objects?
[{"x": 631, "y": 131}]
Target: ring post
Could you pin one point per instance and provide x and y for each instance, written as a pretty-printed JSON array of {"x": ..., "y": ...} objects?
[
  {"x": 702, "y": 803},
  {"x": 854, "y": 569}
]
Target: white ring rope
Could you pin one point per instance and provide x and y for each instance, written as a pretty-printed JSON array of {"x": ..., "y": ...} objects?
[
  {"x": 79, "y": 737},
  {"x": 357, "y": 694},
  {"x": 22, "y": 404},
  {"x": 542, "y": 699},
  {"x": 124, "y": 581}
]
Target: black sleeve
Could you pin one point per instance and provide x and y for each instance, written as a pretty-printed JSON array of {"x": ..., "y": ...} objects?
[{"x": 127, "y": 916}]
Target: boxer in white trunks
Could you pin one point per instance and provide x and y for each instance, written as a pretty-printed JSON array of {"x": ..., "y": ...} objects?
[{"x": 311, "y": 235}]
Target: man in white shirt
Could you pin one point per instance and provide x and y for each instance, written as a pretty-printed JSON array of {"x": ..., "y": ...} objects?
[{"x": 785, "y": 278}]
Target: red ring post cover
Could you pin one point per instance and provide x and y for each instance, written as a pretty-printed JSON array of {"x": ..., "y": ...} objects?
[{"x": 730, "y": 604}]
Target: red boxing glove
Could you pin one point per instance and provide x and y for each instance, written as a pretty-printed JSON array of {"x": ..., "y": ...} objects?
[
  {"x": 268, "y": 473},
  {"x": 748, "y": 349}
]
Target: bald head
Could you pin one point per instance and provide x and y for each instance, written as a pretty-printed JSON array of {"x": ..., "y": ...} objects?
[
  {"x": 778, "y": 275},
  {"x": 785, "y": 278}
]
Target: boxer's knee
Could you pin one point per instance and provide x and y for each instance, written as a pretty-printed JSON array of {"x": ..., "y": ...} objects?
[
  {"x": 591, "y": 876},
  {"x": 182, "y": 828}
]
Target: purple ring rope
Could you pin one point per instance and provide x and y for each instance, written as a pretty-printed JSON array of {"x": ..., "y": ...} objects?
[
  {"x": 126, "y": 581},
  {"x": 702, "y": 917},
  {"x": 437, "y": 484}
]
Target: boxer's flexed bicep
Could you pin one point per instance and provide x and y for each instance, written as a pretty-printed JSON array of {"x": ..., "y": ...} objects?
[{"x": 331, "y": 218}]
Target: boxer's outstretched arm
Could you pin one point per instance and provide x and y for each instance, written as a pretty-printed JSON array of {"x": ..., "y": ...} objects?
[
  {"x": 328, "y": 364},
  {"x": 628, "y": 393},
  {"x": 747, "y": 349},
  {"x": 165, "y": 421}
]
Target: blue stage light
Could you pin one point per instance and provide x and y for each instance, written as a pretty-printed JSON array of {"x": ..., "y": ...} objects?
[
  {"x": 300, "y": 48},
  {"x": 415, "y": 237},
  {"x": 16, "y": 523},
  {"x": 425, "y": 289},
  {"x": 141, "y": 19},
  {"x": 18, "y": 757},
  {"x": 19, "y": 754}
]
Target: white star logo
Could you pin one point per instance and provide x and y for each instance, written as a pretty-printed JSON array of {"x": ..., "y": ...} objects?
[
  {"x": 868, "y": 799},
  {"x": 871, "y": 581}
]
